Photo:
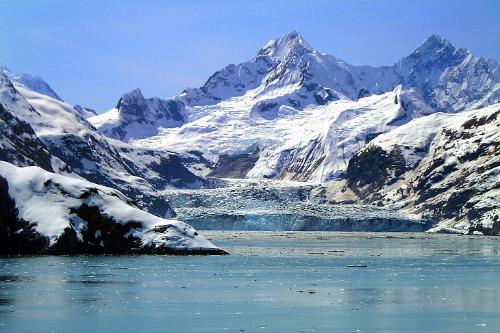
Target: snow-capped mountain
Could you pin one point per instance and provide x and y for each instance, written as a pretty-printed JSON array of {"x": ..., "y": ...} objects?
[
  {"x": 37, "y": 84},
  {"x": 450, "y": 79},
  {"x": 49, "y": 206},
  {"x": 290, "y": 62},
  {"x": 288, "y": 71},
  {"x": 295, "y": 113},
  {"x": 78, "y": 150}
]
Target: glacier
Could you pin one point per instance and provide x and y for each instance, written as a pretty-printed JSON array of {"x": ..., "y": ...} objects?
[{"x": 281, "y": 206}]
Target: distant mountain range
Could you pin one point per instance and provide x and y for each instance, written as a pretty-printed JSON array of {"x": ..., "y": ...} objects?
[
  {"x": 288, "y": 72},
  {"x": 420, "y": 136}
]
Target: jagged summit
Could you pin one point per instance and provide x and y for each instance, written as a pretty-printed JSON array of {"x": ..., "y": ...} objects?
[
  {"x": 135, "y": 96},
  {"x": 5, "y": 70},
  {"x": 136, "y": 92},
  {"x": 291, "y": 43},
  {"x": 436, "y": 40},
  {"x": 136, "y": 116},
  {"x": 438, "y": 50}
]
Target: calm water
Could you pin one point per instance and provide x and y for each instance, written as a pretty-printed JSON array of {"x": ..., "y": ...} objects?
[{"x": 273, "y": 282}]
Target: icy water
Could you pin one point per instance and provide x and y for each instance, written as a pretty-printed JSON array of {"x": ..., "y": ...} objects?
[{"x": 272, "y": 282}]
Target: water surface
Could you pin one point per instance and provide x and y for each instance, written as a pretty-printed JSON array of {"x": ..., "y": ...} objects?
[{"x": 272, "y": 282}]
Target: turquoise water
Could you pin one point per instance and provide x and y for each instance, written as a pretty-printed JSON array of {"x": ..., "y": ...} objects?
[{"x": 272, "y": 282}]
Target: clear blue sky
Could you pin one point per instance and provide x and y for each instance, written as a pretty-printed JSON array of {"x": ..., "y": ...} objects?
[{"x": 92, "y": 51}]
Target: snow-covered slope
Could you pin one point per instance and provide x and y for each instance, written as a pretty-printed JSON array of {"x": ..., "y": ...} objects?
[
  {"x": 42, "y": 212},
  {"x": 37, "y": 84},
  {"x": 31, "y": 82},
  {"x": 442, "y": 166},
  {"x": 137, "y": 172},
  {"x": 295, "y": 113},
  {"x": 84, "y": 111},
  {"x": 313, "y": 144}
]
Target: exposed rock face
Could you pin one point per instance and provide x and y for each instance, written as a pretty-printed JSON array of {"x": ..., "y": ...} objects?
[
  {"x": 97, "y": 161},
  {"x": 84, "y": 112},
  {"x": 451, "y": 177},
  {"x": 17, "y": 236},
  {"x": 368, "y": 172},
  {"x": 363, "y": 93},
  {"x": 461, "y": 183},
  {"x": 235, "y": 166},
  {"x": 41, "y": 212},
  {"x": 300, "y": 164}
]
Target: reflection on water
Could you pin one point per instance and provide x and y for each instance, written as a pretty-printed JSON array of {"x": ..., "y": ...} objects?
[
  {"x": 15, "y": 278},
  {"x": 272, "y": 282},
  {"x": 98, "y": 282}
]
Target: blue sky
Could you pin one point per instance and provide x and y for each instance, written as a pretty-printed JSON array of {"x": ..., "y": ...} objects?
[{"x": 92, "y": 51}]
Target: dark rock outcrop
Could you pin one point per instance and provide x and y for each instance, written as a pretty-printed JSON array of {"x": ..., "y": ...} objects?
[
  {"x": 17, "y": 236},
  {"x": 236, "y": 166},
  {"x": 370, "y": 170},
  {"x": 19, "y": 143}
]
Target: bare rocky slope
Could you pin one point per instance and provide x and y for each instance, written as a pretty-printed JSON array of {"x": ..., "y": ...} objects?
[{"x": 444, "y": 166}]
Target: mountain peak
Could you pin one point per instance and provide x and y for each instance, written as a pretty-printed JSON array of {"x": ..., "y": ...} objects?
[
  {"x": 32, "y": 82},
  {"x": 289, "y": 44},
  {"x": 293, "y": 37},
  {"x": 438, "y": 51},
  {"x": 435, "y": 41},
  {"x": 37, "y": 84},
  {"x": 135, "y": 93},
  {"x": 437, "y": 47},
  {"x": 134, "y": 97},
  {"x": 5, "y": 70}
]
